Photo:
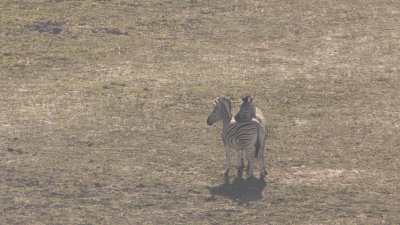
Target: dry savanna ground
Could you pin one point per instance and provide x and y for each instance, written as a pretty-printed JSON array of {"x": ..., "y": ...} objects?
[{"x": 104, "y": 106}]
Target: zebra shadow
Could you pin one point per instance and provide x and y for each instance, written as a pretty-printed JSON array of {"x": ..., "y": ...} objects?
[{"x": 240, "y": 190}]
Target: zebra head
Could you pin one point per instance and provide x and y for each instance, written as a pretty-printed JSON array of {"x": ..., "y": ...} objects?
[
  {"x": 247, "y": 99},
  {"x": 247, "y": 110},
  {"x": 221, "y": 111}
]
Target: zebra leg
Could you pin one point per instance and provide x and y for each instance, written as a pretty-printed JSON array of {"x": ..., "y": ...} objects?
[
  {"x": 247, "y": 167},
  {"x": 262, "y": 160},
  {"x": 240, "y": 164},
  {"x": 250, "y": 158},
  {"x": 227, "y": 163},
  {"x": 263, "y": 168}
]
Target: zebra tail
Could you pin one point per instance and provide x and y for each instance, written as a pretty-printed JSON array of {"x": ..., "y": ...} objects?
[{"x": 259, "y": 141}]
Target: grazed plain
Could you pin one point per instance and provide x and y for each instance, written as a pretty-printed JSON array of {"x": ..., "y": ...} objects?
[{"x": 103, "y": 108}]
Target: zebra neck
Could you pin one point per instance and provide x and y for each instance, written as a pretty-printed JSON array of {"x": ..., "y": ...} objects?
[
  {"x": 227, "y": 116},
  {"x": 227, "y": 121}
]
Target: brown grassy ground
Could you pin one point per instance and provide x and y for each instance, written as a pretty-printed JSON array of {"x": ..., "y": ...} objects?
[{"x": 104, "y": 102}]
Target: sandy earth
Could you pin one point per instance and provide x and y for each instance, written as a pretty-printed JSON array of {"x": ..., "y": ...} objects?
[{"x": 104, "y": 106}]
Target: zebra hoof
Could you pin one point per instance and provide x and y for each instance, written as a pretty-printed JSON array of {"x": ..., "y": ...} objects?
[
  {"x": 226, "y": 179},
  {"x": 251, "y": 178},
  {"x": 263, "y": 174},
  {"x": 226, "y": 176},
  {"x": 240, "y": 172}
]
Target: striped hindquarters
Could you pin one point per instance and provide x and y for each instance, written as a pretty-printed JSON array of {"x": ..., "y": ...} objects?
[{"x": 241, "y": 135}]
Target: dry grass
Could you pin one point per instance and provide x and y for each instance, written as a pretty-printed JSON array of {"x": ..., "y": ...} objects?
[{"x": 104, "y": 102}]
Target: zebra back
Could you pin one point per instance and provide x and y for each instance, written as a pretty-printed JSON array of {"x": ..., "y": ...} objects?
[{"x": 241, "y": 135}]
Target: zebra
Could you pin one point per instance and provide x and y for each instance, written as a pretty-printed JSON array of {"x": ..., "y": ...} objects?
[
  {"x": 247, "y": 110},
  {"x": 246, "y": 113},
  {"x": 245, "y": 137}
]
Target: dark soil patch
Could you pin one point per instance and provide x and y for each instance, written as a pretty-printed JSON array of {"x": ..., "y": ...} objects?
[
  {"x": 48, "y": 26},
  {"x": 106, "y": 30}
]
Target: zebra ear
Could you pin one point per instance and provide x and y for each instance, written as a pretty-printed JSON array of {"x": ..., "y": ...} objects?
[
  {"x": 247, "y": 99},
  {"x": 250, "y": 99}
]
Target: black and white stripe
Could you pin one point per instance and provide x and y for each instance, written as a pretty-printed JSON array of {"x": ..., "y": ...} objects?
[{"x": 247, "y": 138}]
